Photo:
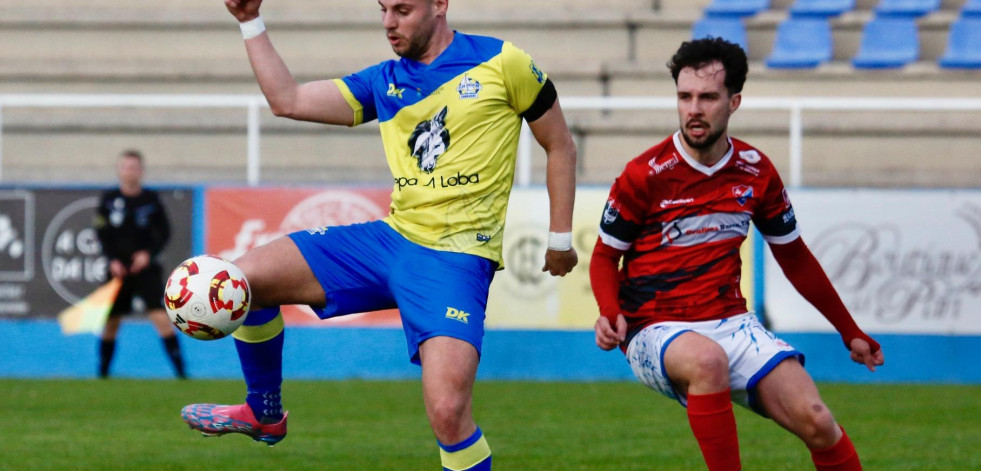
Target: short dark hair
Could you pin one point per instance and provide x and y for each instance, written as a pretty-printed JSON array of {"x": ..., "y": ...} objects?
[
  {"x": 698, "y": 53},
  {"x": 133, "y": 153}
]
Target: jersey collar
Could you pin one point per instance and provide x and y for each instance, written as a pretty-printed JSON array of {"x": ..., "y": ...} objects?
[{"x": 695, "y": 164}]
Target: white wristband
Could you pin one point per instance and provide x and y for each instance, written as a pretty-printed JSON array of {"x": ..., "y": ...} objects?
[
  {"x": 561, "y": 241},
  {"x": 252, "y": 28}
]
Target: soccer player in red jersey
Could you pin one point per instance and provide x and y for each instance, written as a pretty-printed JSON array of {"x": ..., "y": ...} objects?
[{"x": 676, "y": 217}]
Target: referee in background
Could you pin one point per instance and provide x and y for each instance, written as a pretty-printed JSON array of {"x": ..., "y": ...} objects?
[{"x": 133, "y": 229}]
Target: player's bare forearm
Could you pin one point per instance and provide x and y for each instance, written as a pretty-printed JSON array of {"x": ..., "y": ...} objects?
[
  {"x": 560, "y": 170},
  {"x": 318, "y": 101}
]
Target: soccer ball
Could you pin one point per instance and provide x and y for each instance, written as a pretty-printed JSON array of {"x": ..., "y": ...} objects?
[{"x": 207, "y": 297}]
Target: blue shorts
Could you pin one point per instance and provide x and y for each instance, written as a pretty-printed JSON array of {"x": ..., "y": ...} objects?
[{"x": 368, "y": 267}]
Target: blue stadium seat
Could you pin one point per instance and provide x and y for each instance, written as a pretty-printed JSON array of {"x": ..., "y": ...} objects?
[
  {"x": 913, "y": 8},
  {"x": 963, "y": 44},
  {"x": 888, "y": 42},
  {"x": 729, "y": 28},
  {"x": 826, "y": 8},
  {"x": 971, "y": 8},
  {"x": 801, "y": 42},
  {"x": 738, "y": 8}
]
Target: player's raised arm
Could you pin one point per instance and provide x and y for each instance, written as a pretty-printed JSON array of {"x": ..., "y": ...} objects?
[
  {"x": 809, "y": 279},
  {"x": 319, "y": 101},
  {"x": 553, "y": 135}
]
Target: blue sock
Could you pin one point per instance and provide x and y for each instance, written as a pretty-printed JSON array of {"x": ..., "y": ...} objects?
[
  {"x": 259, "y": 343},
  {"x": 472, "y": 454}
]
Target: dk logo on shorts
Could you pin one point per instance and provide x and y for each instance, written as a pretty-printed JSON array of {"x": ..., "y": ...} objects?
[{"x": 456, "y": 314}]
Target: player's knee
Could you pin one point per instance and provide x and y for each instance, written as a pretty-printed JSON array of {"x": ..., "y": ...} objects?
[
  {"x": 818, "y": 427},
  {"x": 710, "y": 367},
  {"x": 447, "y": 415}
]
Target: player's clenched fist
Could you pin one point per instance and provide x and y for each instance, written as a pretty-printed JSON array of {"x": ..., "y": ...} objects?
[
  {"x": 607, "y": 337},
  {"x": 243, "y": 10}
]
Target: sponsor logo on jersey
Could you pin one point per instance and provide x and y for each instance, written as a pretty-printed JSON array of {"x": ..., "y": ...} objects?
[
  {"x": 786, "y": 198},
  {"x": 483, "y": 238},
  {"x": 317, "y": 230},
  {"x": 429, "y": 141},
  {"x": 611, "y": 212},
  {"x": 788, "y": 215},
  {"x": 468, "y": 87},
  {"x": 394, "y": 92},
  {"x": 742, "y": 193},
  {"x": 539, "y": 75},
  {"x": 678, "y": 202},
  {"x": 754, "y": 171},
  {"x": 697, "y": 230},
  {"x": 750, "y": 156},
  {"x": 666, "y": 165},
  {"x": 457, "y": 315}
]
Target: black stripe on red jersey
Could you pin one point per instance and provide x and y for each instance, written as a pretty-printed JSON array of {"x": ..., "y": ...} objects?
[
  {"x": 614, "y": 225},
  {"x": 638, "y": 291},
  {"x": 781, "y": 225}
]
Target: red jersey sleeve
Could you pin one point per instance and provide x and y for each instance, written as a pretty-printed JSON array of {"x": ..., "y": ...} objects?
[
  {"x": 775, "y": 218},
  {"x": 626, "y": 208}
]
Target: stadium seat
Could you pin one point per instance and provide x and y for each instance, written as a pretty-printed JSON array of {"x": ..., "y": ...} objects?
[
  {"x": 729, "y": 28},
  {"x": 801, "y": 42},
  {"x": 971, "y": 8},
  {"x": 913, "y": 8},
  {"x": 888, "y": 42},
  {"x": 737, "y": 8},
  {"x": 963, "y": 44},
  {"x": 827, "y": 8}
]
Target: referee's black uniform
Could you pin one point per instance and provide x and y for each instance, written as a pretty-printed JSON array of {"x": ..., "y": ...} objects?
[{"x": 127, "y": 225}]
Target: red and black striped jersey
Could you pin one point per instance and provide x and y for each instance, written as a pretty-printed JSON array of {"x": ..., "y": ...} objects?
[{"x": 680, "y": 224}]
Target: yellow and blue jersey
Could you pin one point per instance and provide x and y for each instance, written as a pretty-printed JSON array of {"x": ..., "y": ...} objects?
[{"x": 450, "y": 132}]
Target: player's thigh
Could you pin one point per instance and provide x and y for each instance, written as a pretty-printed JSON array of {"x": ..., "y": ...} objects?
[
  {"x": 696, "y": 364},
  {"x": 789, "y": 396},
  {"x": 449, "y": 367},
  {"x": 645, "y": 354},
  {"x": 278, "y": 274}
]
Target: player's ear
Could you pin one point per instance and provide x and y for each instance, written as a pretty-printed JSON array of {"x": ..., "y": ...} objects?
[
  {"x": 440, "y": 6},
  {"x": 734, "y": 101}
]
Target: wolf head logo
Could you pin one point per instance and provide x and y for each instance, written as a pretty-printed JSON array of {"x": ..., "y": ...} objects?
[{"x": 429, "y": 140}]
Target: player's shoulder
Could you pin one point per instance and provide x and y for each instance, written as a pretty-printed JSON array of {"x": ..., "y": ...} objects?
[
  {"x": 110, "y": 194},
  {"x": 742, "y": 150},
  {"x": 653, "y": 161}
]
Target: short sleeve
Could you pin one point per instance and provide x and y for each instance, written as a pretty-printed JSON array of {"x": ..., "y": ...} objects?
[
  {"x": 357, "y": 90},
  {"x": 775, "y": 217},
  {"x": 522, "y": 77},
  {"x": 625, "y": 211}
]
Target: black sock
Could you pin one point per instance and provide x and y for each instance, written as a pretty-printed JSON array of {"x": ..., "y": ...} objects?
[
  {"x": 106, "y": 350},
  {"x": 174, "y": 353}
]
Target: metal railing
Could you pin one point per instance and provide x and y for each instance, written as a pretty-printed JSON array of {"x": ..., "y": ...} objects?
[{"x": 251, "y": 104}]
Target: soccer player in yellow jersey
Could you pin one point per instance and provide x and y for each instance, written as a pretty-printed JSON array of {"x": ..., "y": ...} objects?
[{"x": 450, "y": 111}]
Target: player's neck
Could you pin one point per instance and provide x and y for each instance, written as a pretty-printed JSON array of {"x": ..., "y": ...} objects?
[
  {"x": 131, "y": 190},
  {"x": 442, "y": 38},
  {"x": 709, "y": 156}
]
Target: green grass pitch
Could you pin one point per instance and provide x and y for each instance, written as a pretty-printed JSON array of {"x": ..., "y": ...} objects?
[{"x": 125, "y": 424}]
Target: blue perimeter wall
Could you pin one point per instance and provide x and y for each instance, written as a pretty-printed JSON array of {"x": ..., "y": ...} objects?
[{"x": 37, "y": 349}]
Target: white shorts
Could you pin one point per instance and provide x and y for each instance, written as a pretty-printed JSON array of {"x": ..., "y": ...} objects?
[{"x": 753, "y": 352}]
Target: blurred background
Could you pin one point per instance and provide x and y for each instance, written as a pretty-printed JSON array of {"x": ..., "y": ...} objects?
[{"x": 870, "y": 109}]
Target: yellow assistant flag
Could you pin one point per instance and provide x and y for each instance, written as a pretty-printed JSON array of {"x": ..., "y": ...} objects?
[{"x": 88, "y": 316}]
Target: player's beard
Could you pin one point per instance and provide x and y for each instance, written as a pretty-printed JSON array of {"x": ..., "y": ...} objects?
[
  {"x": 705, "y": 142},
  {"x": 418, "y": 43}
]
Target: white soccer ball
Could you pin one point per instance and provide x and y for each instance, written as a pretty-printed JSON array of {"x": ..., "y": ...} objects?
[{"x": 207, "y": 297}]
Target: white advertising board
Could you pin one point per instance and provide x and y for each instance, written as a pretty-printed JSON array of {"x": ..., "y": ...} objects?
[{"x": 903, "y": 261}]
